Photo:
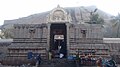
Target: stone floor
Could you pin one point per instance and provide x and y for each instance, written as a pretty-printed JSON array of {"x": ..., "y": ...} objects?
[{"x": 118, "y": 65}]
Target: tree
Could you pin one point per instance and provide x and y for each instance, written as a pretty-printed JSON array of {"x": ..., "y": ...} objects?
[
  {"x": 6, "y": 33},
  {"x": 116, "y": 25},
  {"x": 1, "y": 34},
  {"x": 96, "y": 19}
]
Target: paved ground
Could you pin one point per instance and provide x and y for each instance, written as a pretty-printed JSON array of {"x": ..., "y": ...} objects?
[
  {"x": 89, "y": 66},
  {"x": 118, "y": 65}
]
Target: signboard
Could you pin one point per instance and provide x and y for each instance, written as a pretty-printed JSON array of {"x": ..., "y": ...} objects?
[{"x": 59, "y": 37}]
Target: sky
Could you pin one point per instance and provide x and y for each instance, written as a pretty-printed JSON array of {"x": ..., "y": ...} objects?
[{"x": 14, "y": 9}]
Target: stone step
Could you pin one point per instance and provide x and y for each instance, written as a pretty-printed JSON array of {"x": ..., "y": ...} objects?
[{"x": 58, "y": 63}]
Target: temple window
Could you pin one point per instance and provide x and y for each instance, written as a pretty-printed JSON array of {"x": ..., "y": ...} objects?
[
  {"x": 83, "y": 33},
  {"x": 31, "y": 31}
]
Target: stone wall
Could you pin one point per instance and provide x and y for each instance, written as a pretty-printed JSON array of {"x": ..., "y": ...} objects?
[
  {"x": 87, "y": 38},
  {"x": 4, "y": 43},
  {"x": 28, "y": 38}
]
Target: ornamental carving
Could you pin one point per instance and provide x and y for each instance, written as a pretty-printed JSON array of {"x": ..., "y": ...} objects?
[{"x": 58, "y": 15}]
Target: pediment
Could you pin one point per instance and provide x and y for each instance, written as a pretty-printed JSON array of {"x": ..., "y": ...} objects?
[{"x": 58, "y": 15}]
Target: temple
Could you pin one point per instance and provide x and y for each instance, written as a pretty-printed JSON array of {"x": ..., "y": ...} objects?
[{"x": 59, "y": 36}]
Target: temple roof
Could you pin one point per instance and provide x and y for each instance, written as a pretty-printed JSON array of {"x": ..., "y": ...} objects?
[{"x": 74, "y": 12}]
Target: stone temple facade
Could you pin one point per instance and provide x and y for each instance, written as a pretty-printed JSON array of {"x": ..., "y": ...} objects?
[{"x": 57, "y": 35}]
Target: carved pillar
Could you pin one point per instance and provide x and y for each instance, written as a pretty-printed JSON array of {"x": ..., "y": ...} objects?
[{"x": 68, "y": 45}]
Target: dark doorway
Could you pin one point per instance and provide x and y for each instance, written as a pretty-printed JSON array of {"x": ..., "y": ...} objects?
[{"x": 58, "y": 40}]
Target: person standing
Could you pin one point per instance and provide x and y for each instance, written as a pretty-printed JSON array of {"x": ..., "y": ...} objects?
[
  {"x": 39, "y": 59},
  {"x": 99, "y": 62},
  {"x": 50, "y": 55}
]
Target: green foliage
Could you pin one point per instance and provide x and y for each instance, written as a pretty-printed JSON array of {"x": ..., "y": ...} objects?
[
  {"x": 116, "y": 25},
  {"x": 6, "y": 33},
  {"x": 96, "y": 19},
  {"x": 116, "y": 20}
]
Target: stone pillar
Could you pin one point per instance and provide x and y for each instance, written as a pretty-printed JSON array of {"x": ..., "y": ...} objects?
[
  {"x": 68, "y": 43},
  {"x": 48, "y": 40}
]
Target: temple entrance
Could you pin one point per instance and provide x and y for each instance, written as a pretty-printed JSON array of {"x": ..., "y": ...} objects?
[{"x": 58, "y": 47}]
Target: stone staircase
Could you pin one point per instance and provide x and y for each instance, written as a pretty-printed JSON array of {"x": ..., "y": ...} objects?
[{"x": 58, "y": 63}]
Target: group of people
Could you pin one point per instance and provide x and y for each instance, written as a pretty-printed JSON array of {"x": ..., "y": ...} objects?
[
  {"x": 34, "y": 56},
  {"x": 105, "y": 63},
  {"x": 87, "y": 61},
  {"x": 56, "y": 53},
  {"x": 99, "y": 62},
  {"x": 59, "y": 50}
]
